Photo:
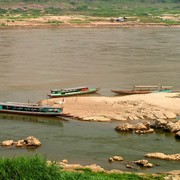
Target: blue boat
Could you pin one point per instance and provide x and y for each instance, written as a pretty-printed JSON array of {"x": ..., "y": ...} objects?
[{"x": 29, "y": 109}]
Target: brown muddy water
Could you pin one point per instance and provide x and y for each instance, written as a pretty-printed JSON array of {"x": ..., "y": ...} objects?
[{"x": 33, "y": 61}]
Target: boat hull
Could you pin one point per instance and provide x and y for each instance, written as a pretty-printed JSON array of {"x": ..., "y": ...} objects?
[
  {"x": 30, "y": 113},
  {"x": 130, "y": 92}
]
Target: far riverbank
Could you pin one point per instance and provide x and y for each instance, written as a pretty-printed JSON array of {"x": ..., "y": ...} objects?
[{"x": 49, "y": 21}]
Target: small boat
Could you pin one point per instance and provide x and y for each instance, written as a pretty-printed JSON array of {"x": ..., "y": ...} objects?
[
  {"x": 72, "y": 91},
  {"x": 144, "y": 90},
  {"x": 29, "y": 109}
]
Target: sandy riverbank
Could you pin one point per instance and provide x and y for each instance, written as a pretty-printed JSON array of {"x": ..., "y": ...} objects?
[
  {"x": 149, "y": 106},
  {"x": 71, "y": 22}
]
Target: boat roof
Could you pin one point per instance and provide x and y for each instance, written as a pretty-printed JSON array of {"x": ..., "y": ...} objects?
[
  {"x": 166, "y": 87},
  {"x": 24, "y": 105},
  {"x": 145, "y": 86},
  {"x": 69, "y": 89}
]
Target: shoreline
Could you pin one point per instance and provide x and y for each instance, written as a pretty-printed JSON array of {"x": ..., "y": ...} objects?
[
  {"x": 50, "y": 21},
  {"x": 40, "y": 26}
]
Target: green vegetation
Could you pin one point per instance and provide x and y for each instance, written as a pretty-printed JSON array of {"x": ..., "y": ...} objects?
[
  {"x": 144, "y": 10},
  {"x": 102, "y": 8},
  {"x": 55, "y": 22},
  {"x": 37, "y": 168},
  {"x": 79, "y": 21}
]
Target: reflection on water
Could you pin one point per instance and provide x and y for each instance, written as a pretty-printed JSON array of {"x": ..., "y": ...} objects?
[{"x": 39, "y": 119}]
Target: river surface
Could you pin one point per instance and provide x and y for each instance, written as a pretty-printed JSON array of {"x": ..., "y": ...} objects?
[{"x": 33, "y": 61}]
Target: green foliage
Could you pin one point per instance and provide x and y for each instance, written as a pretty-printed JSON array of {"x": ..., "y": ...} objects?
[
  {"x": 27, "y": 168},
  {"x": 3, "y": 11},
  {"x": 37, "y": 168},
  {"x": 53, "y": 10},
  {"x": 55, "y": 22},
  {"x": 104, "y": 8},
  {"x": 79, "y": 21}
]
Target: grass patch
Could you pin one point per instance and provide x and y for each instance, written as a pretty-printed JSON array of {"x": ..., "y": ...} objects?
[
  {"x": 55, "y": 22},
  {"x": 37, "y": 168},
  {"x": 79, "y": 21}
]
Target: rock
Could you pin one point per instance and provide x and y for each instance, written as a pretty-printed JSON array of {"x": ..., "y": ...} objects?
[
  {"x": 170, "y": 115},
  {"x": 111, "y": 160},
  {"x": 117, "y": 158},
  {"x": 143, "y": 163},
  {"x": 97, "y": 118},
  {"x": 176, "y": 127},
  {"x": 177, "y": 135},
  {"x": 118, "y": 118},
  {"x": 159, "y": 115},
  {"x": 140, "y": 126},
  {"x": 20, "y": 143},
  {"x": 158, "y": 155},
  {"x": 65, "y": 161},
  {"x": 159, "y": 124},
  {"x": 7, "y": 143},
  {"x": 129, "y": 166},
  {"x": 124, "y": 127},
  {"x": 144, "y": 131},
  {"x": 169, "y": 126},
  {"x": 95, "y": 168},
  {"x": 150, "y": 116},
  {"x": 133, "y": 117},
  {"x": 172, "y": 177},
  {"x": 32, "y": 141},
  {"x": 173, "y": 172}
]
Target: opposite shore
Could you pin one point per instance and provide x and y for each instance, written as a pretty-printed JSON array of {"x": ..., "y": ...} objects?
[{"x": 52, "y": 21}]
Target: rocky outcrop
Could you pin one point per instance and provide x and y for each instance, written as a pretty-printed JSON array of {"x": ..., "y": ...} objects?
[
  {"x": 7, "y": 143},
  {"x": 97, "y": 118},
  {"x": 166, "y": 126},
  {"x": 70, "y": 167},
  {"x": 139, "y": 128},
  {"x": 158, "y": 155},
  {"x": 115, "y": 158},
  {"x": 177, "y": 135},
  {"x": 124, "y": 127},
  {"x": 30, "y": 141},
  {"x": 143, "y": 163},
  {"x": 144, "y": 131}
]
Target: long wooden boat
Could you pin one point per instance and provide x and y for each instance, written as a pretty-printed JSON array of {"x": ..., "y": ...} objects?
[
  {"x": 72, "y": 91},
  {"x": 144, "y": 90},
  {"x": 29, "y": 109}
]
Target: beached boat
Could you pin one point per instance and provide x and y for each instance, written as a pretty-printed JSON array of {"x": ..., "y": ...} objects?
[
  {"x": 29, "y": 109},
  {"x": 71, "y": 91},
  {"x": 144, "y": 90}
]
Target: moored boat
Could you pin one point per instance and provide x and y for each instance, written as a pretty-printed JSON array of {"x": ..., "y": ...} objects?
[
  {"x": 29, "y": 109},
  {"x": 71, "y": 91},
  {"x": 144, "y": 90}
]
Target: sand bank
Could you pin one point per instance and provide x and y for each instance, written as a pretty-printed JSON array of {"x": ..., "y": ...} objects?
[
  {"x": 75, "y": 21},
  {"x": 149, "y": 106}
]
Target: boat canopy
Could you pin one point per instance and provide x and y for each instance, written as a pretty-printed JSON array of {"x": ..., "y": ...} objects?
[{"x": 145, "y": 87}]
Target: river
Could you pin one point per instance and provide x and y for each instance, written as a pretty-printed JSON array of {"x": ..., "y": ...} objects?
[{"x": 33, "y": 61}]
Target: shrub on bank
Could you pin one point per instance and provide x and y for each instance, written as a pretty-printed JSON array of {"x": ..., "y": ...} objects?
[{"x": 37, "y": 168}]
